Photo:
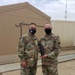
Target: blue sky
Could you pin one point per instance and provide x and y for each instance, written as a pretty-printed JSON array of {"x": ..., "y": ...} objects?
[{"x": 53, "y": 8}]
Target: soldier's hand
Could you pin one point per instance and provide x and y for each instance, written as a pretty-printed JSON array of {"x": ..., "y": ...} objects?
[
  {"x": 39, "y": 50},
  {"x": 24, "y": 64},
  {"x": 44, "y": 56}
]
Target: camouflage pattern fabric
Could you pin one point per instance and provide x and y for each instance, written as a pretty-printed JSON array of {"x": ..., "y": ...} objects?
[
  {"x": 48, "y": 70},
  {"x": 29, "y": 70},
  {"x": 28, "y": 51},
  {"x": 51, "y": 44}
]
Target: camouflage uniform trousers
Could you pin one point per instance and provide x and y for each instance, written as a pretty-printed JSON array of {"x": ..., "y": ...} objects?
[
  {"x": 49, "y": 70},
  {"x": 28, "y": 70}
]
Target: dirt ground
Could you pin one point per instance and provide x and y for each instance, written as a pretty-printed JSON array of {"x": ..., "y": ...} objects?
[{"x": 65, "y": 68}]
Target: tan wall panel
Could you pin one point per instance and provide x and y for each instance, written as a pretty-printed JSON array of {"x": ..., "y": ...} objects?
[
  {"x": 9, "y": 34},
  {"x": 65, "y": 29},
  {"x": 26, "y": 14}
]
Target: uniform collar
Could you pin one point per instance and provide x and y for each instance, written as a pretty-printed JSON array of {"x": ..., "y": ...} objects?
[
  {"x": 31, "y": 35},
  {"x": 48, "y": 36}
]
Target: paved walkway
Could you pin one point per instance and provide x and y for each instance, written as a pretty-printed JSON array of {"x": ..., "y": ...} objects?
[
  {"x": 14, "y": 67},
  {"x": 65, "y": 68}
]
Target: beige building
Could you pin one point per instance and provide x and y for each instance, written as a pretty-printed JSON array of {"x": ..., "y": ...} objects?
[
  {"x": 25, "y": 12},
  {"x": 66, "y": 31},
  {"x": 10, "y": 34}
]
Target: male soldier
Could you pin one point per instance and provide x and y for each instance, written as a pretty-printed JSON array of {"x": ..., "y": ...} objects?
[
  {"x": 28, "y": 51},
  {"x": 51, "y": 46}
]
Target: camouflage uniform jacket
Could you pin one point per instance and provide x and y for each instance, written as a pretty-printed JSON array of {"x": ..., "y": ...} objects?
[
  {"x": 51, "y": 44},
  {"x": 28, "y": 49}
]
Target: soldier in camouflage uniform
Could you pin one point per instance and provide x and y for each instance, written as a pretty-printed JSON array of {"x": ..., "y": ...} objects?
[
  {"x": 51, "y": 45},
  {"x": 28, "y": 51}
]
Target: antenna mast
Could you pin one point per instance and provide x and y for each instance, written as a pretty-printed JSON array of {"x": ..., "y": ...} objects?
[{"x": 66, "y": 10}]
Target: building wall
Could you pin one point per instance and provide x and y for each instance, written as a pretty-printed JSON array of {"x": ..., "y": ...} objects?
[
  {"x": 74, "y": 37},
  {"x": 10, "y": 36},
  {"x": 66, "y": 31}
]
